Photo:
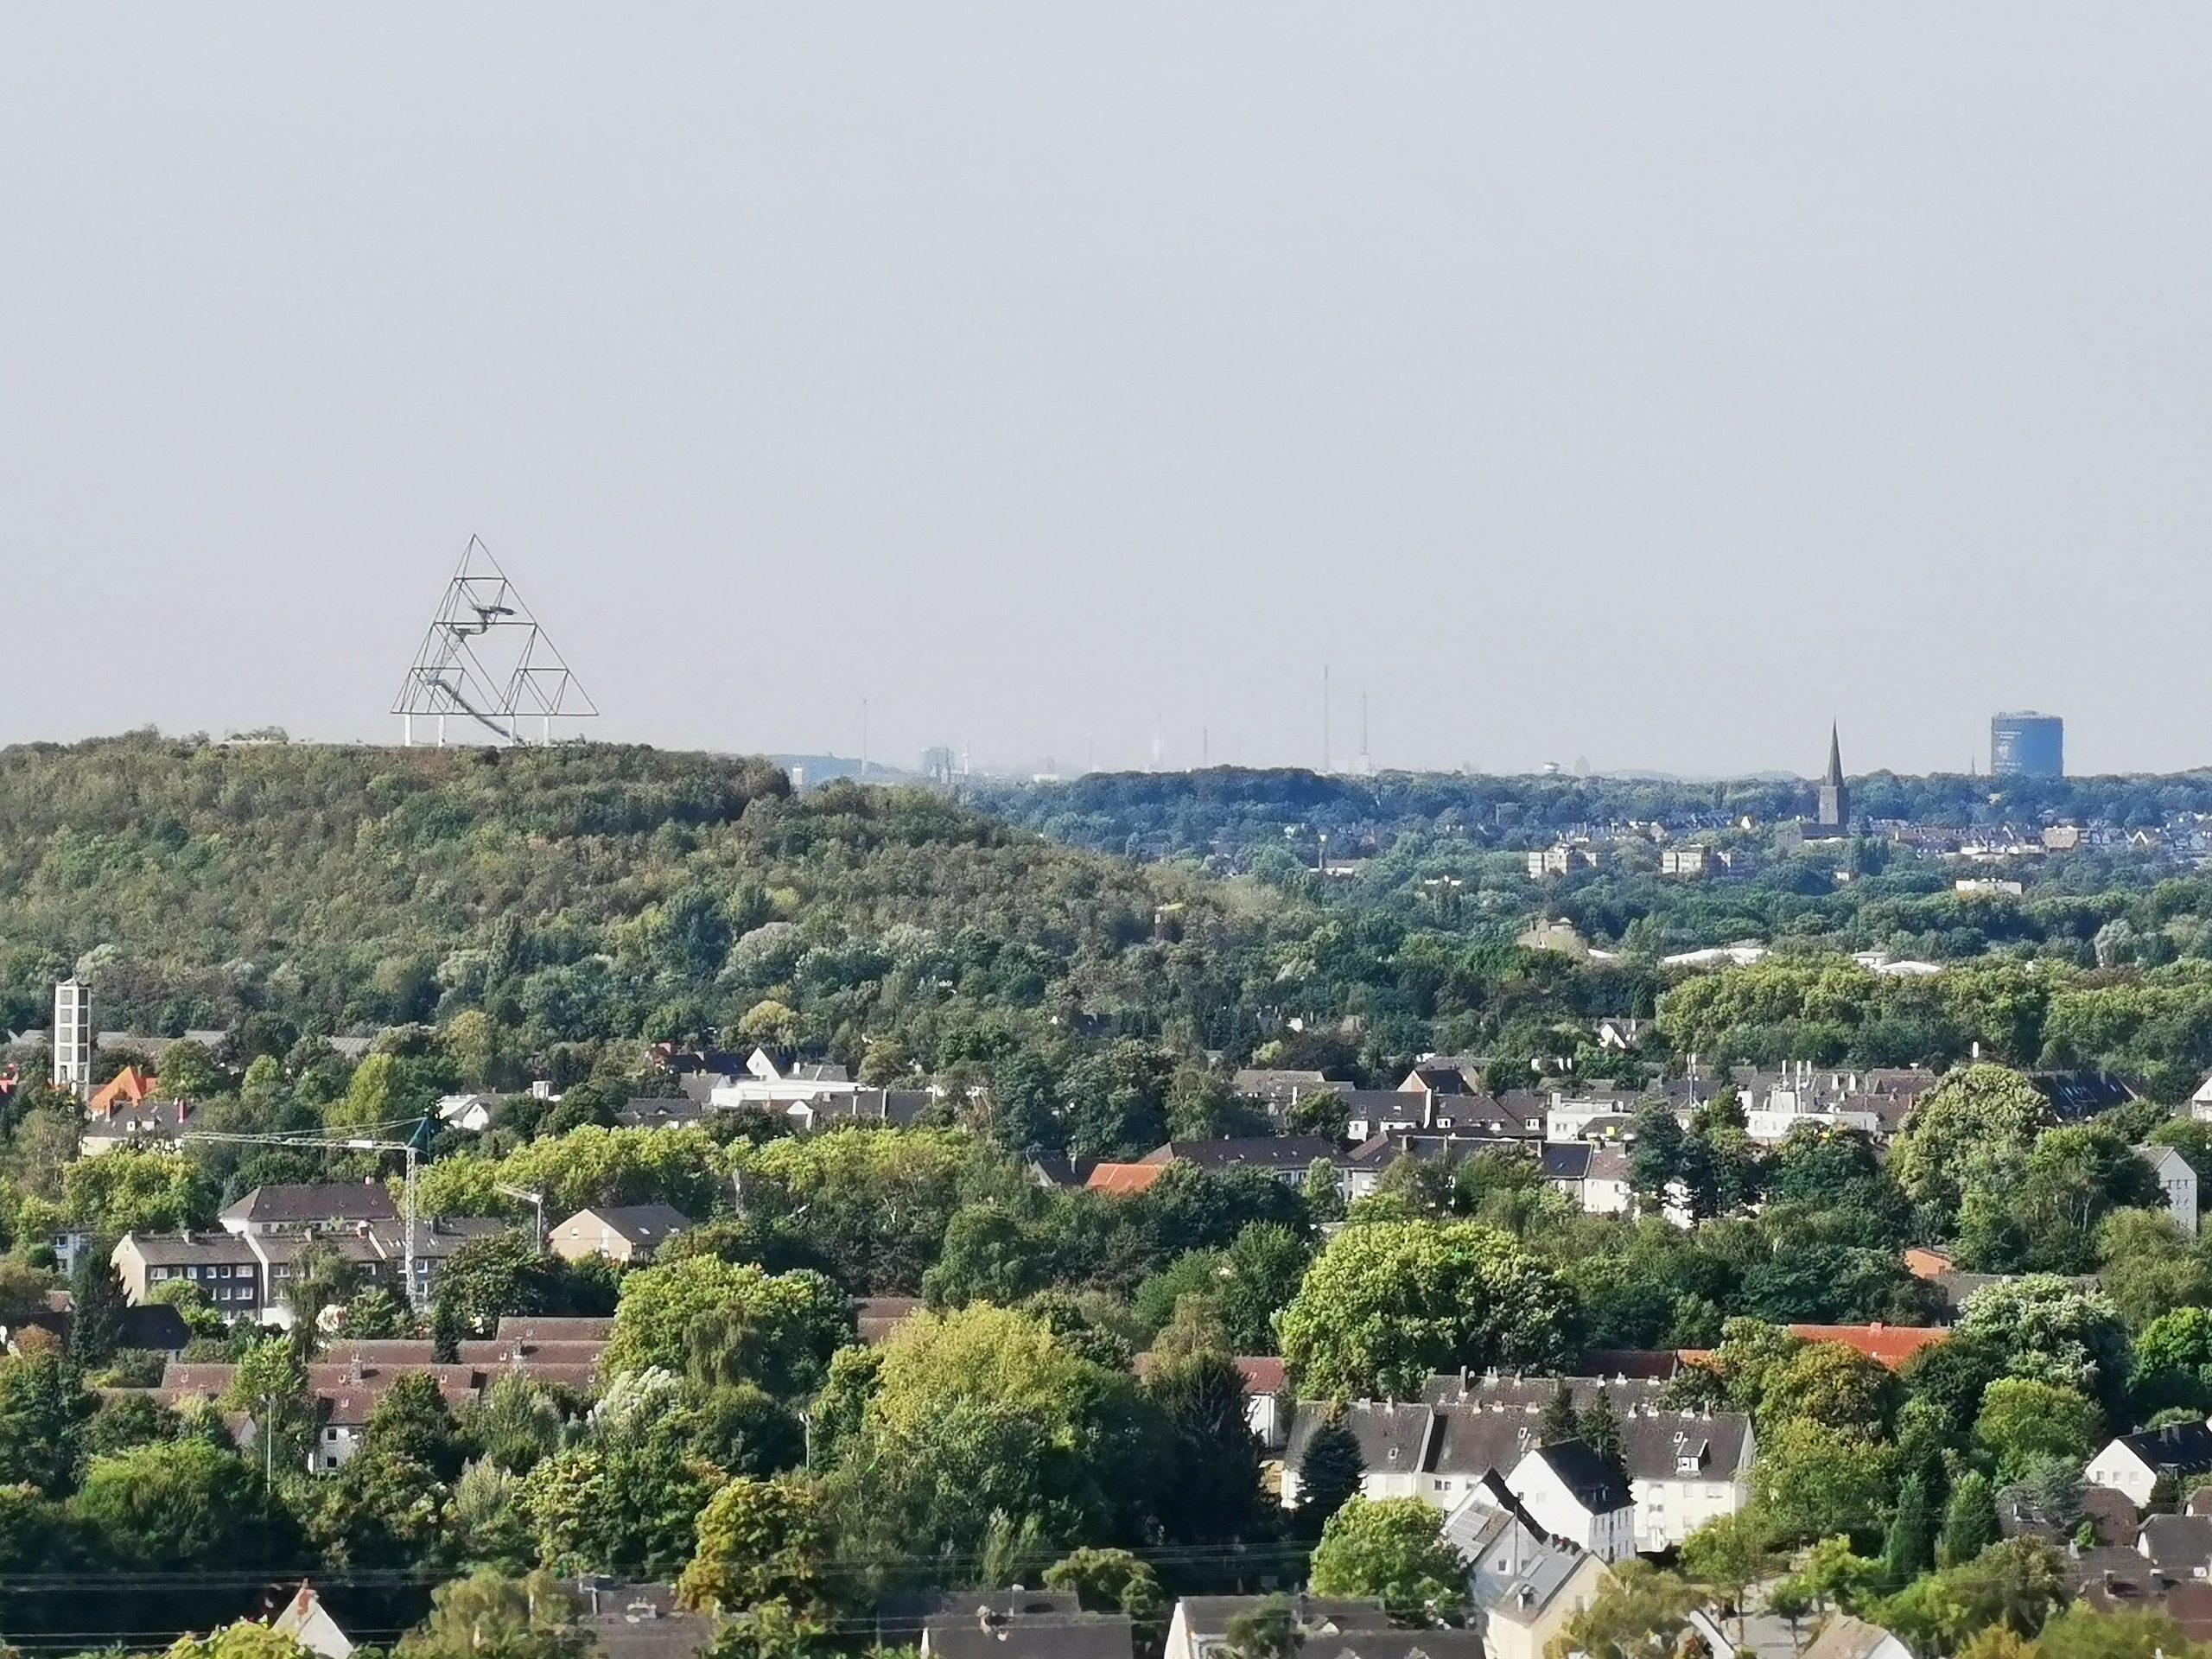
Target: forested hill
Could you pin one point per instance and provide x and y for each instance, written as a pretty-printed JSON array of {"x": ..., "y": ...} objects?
[{"x": 574, "y": 893}]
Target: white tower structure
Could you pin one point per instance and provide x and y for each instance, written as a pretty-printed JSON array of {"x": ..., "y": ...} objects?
[{"x": 73, "y": 1035}]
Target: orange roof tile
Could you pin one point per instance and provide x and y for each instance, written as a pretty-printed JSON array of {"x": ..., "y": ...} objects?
[
  {"x": 129, "y": 1087},
  {"x": 1892, "y": 1345},
  {"x": 1926, "y": 1264},
  {"x": 1123, "y": 1179}
]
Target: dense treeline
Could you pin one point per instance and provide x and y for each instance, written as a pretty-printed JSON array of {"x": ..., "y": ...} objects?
[
  {"x": 556, "y": 906},
  {"x": 1172, "y": 813},
  {"x": 571, "y": 894}
]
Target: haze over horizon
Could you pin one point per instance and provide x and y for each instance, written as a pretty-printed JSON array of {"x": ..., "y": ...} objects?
[{"x": 1577, "y": 382}]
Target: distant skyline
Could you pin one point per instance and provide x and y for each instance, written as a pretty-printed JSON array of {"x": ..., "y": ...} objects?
[{"x": 1645, "y": 386}]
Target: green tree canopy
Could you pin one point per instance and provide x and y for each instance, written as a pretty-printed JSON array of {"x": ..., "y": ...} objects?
[
  {"x": 1393, "y": 1547},
  {"x": 1387, "y": 1304}
]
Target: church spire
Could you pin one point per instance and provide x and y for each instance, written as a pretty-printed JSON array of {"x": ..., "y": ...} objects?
[{"x": 1833, "y": 798}]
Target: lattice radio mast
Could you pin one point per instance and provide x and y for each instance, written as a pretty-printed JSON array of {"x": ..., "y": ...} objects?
[{"x": 485, "y": 659}]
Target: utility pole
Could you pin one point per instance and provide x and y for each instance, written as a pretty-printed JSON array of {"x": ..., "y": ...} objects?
[
  {"x": 1324, "y": 719},
  {"x": 537, "y": 1201}
]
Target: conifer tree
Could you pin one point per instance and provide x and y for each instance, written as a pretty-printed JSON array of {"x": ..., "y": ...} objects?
[
  {"x": 1560, "y": 1420},
  {"x": 1601, "y": 1432},
  {"x": 1969, "y": 1521},
  {"x": 96, "y": 1319},
  {"x": 1330, "y": 1473},
  {"x": 1909, "y": 1548}
]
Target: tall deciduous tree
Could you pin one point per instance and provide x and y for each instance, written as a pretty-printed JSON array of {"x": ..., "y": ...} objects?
[
  {"x": 759, "y": 1541},
  {"x": 1975, "y": 1112},
  {"x": 777, "y": 1330},
  {"x": 985, "y": 1412},
  {"x": 1639, "y": 1613},
  {"x": 1393, "y": 1547},
  {"x": 1387, "y": 1304},
  {"x": 491, "y": 1616}
]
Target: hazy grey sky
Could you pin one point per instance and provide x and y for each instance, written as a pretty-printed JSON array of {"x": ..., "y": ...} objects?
[{"x": 1645, "y": 381}]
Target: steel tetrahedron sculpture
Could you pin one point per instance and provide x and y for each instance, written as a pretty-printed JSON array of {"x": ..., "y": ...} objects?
[{"x": 486, "y": 659}]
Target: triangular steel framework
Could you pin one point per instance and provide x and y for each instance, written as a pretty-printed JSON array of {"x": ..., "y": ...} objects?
[{"x": 486, "y": 659}]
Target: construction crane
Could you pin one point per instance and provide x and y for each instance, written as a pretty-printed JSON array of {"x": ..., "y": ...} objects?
[{"x": 345, "y": 1143}]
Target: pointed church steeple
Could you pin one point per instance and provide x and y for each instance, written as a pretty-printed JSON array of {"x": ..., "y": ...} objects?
[{"x": 1835, "y": 795}]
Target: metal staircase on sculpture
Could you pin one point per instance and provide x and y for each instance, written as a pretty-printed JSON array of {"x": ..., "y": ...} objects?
[{"x": 486, "y": 659}]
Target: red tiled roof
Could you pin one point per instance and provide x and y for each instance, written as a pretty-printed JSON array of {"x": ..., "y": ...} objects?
[
  {"x": 1124, "y": 1178},
  {"x": 1641, "y": 1364},
  {"x": 1262, "y": 1373},
  {"x": 1892, "y": 1345},
  {"x": 129, "y": 1087}
]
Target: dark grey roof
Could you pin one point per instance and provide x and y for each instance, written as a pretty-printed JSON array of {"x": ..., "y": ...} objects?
[
  {"x": 1209, "y": 1616},
  {"x": 645, "y": 1112},
  {"x": 157, "y": 1326},
  {"x": 2177, "y": 1449},
  {"x": 1442, "y": 1079},
  {"x": 1424, "y": 1145},
  {"x": 180, "y": 1249},
  {"x": 2124, "y": 1575},
  {"x": 693, "y": 1062},
  {"x": 1261, "y": 1151},
  {"x": 1440, "y": 1642},
  {"x": 2074, "y": 1095},
  {"x": 1260, "y": 1083},
  {"x": 1060, "y": 1168},
  {"x": 148, "y": 1118},
  {"x": 1493, "y": 1425},
  {"x": 1533, "y": 1393},
  {"x": 1525, "y": 1104},
  {"x": 325, "y": 1201},
  {"x": 1025, "y": 1624},
  {"x": 1382, "y": 1103},
  {"x": 1567, "y": 1160},
  {"x": 902, "y": 1108},
  {"x": 640, "y": 1621},
  {"x": 2179, "y": 1545},
  {"x": 1393, "y": 1435},
  {"x": 1596, "y": 1486}
]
